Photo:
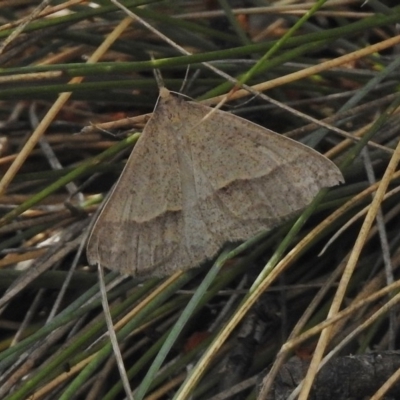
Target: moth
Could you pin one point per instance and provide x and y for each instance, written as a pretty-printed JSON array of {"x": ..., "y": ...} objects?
[{"x": 193, "y": 184}]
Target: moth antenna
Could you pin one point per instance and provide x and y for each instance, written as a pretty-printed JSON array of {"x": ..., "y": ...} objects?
[{"x": 157, "y": 74}]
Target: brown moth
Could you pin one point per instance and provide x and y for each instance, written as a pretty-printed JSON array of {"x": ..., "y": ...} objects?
[{"x": 191, "y": 185}]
